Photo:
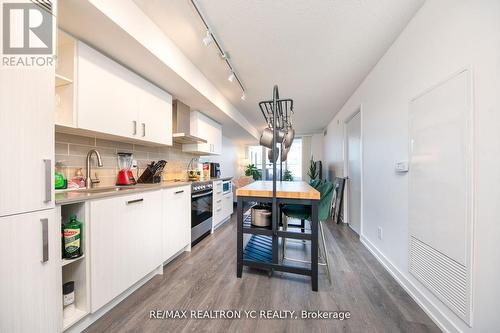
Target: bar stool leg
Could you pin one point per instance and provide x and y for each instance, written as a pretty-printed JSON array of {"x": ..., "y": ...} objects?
[
  {"x": 283, "y": 239},
  {"x": 325, "y": 253}
]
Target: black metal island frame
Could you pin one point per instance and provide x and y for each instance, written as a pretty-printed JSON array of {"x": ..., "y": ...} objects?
[{"x": 262, "y": 250}]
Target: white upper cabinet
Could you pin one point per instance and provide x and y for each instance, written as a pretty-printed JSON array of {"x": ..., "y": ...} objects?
[
  {"x": 27, "y": 136},
  {"x": 208, "y": 129},
  {"x": 155, "y": 126},
  {"x": 106, "y": 98}
]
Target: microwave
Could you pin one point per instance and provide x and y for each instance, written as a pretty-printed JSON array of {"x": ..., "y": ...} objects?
[{"x": 227, "y": 186}]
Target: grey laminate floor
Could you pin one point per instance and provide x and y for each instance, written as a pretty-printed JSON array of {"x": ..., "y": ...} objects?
[{"x": 205, "y": 279}]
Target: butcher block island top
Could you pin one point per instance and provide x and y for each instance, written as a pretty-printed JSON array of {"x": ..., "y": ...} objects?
[{"x": 284, "y": 189}]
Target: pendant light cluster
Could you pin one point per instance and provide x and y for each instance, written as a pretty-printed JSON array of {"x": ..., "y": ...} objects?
[{"x": 209, "y": 39}]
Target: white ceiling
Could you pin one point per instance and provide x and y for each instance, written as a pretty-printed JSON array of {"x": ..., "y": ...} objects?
[{"x": 317, "y": 51}]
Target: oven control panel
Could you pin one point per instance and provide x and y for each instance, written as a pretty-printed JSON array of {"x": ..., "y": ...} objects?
[{"x": 201, "y": 186}]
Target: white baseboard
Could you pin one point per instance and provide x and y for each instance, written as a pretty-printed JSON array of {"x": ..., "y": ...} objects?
[{"x": 433, "y": 311}]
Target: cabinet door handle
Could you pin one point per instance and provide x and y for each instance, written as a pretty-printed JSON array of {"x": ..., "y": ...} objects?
[
  {"x": 218, "y": 201},
  {"x": 219, "y": 209},
  {"x": 178, "y": 192},
  {"x": 45, "y": 239},
  {"x": 135, "y": 127},
  {"x": 48, "y": 180},
  {"x": 134, "y": 201},
  {"x": 143, "y": 129}
]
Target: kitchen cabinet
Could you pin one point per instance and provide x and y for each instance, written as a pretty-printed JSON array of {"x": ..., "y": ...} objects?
[
  {"x": 112, "y": 100},
  {"x": 204, "y": 127},
  {"x": 223, "y": 203},
  {"x": 176, "y": 220},
  {"x": 27, "y": 136},
  {"x": 227, "y": 204},
  {"x": 125, "y": 243},
  {"x": 218, "y": 214},
  {"x": 30, "y": 283}
]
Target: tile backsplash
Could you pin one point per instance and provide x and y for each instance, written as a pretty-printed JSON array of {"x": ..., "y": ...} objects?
[{"x": 71, "y": 152}]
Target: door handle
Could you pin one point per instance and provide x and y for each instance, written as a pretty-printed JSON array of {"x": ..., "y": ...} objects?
[
  {"x": 218, "y": 201},
  {"x": 135, "y": 127},
  {"x": 134, "y": 201},
  {"x": 48, "y": 180},
  {"x": 178, "y": 192},
  {"x": 143, "y": 129},
  {"x": 45, "y": 239}
]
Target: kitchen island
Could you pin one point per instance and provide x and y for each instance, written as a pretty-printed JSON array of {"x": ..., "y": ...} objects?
[{"x": 261, "y": 251}]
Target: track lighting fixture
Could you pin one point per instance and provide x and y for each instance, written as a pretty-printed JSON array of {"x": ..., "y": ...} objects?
[
  {"x": 211, "y": 38},
  {"x": 207, "y": 40}
]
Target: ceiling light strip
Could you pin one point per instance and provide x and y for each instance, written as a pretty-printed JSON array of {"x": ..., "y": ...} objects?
[{"x": 223, "y": 54}]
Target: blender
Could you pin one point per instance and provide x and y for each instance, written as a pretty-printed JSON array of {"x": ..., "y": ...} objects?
[{"x": 125, "y": 176}]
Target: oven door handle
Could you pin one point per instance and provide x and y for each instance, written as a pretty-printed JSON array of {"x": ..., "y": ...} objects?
[{"x": 201, "y": 195}]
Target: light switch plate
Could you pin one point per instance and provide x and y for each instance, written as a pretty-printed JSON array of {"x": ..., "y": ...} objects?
[{"x": 401, "y": 166}]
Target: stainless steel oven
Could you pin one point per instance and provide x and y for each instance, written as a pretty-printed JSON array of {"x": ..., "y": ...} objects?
[{"x": 201, "y": 210}]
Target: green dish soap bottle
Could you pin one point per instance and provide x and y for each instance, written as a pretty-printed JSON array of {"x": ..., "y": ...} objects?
[{"x": 72, "y": 232}]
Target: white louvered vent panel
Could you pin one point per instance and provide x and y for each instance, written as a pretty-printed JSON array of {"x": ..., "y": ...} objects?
[{"x": 446, "y": 278}]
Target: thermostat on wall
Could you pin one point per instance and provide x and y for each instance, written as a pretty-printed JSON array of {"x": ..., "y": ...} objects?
[{"x": 402, "y": 166}]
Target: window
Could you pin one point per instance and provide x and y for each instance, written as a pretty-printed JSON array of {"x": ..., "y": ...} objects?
[
  {"x": 255, "y": 156},
  {"x": 258, "y": 154},
  {"x": 294, "y": 159}
]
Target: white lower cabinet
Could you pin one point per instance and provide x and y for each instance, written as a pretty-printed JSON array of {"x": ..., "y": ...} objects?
[
  {"x": 227, "y": 204},
  {"x": 30, "y": 273},
  {"x": 125, "y": 243},
  {"x": 176, "y": 220}
]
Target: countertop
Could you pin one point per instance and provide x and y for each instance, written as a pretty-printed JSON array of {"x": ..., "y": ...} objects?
[
  {"x": 289, "y": 190},
  {"x": 71, "y": 196}
]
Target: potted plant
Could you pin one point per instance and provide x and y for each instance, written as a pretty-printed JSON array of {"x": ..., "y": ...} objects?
[
  {"x": 252, "y": 170},
  {"x": 288, "y": 176},
  {"x": 313, "y": 171}
]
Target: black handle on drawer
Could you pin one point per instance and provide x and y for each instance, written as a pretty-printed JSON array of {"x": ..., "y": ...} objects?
[
  {"x": 134, "y": 201},
  {"x": 177, "y": 192}
]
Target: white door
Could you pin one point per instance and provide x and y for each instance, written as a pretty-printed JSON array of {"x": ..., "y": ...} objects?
[
  {"x": 30, "y": 285},
  {"x": 354, "y": 172},
  {"x": 27, "y": 136},
  {"x": 176, "y": 220}
]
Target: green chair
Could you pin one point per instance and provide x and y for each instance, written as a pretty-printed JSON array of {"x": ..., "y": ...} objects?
[
  {"x": 326, "y": 190},
  {"x": 315, "y": 183}
]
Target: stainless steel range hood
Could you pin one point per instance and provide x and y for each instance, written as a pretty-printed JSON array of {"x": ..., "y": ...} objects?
[{"x": 181, "y": 124}]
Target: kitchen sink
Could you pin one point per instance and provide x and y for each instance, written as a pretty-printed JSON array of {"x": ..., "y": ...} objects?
[{"x": 104, "y": 189}]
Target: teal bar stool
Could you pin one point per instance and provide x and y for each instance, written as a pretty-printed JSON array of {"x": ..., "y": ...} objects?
[{"x": 326, "y": 190}]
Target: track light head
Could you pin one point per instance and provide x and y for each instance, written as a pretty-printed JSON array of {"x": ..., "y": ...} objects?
[
  {"x": 207, "y": 40},
  {"x": 231, "y": 77}
]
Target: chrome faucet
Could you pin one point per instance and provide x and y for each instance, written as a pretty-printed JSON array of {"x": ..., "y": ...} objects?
[{"x": 89, "y": 182}]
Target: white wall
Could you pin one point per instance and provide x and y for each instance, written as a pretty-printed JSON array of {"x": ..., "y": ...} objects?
[
  {"x": 444, "y": 37},
  {"x": 229, "y": 159}
]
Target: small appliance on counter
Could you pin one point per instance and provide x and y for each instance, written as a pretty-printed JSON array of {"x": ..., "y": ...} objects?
[
  {"x": 153, "y": 173},
  {"x": 214, "y": 170},
  {"x": 125, "y": 175},
  {"x": 206, "y": 170}
]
